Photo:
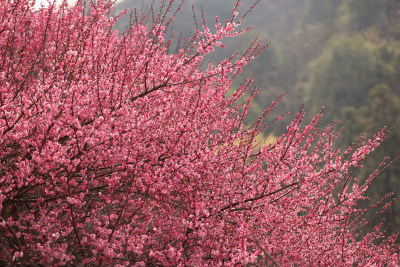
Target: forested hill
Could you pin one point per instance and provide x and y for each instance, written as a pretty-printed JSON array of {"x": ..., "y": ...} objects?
[{"x": 342, "y": 54}]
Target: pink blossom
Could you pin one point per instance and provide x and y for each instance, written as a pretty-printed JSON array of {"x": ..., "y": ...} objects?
[{"x": 116, "y": 152}]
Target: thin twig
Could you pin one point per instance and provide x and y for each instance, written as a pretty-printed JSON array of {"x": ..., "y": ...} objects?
[{"x": 269, "y": 256}]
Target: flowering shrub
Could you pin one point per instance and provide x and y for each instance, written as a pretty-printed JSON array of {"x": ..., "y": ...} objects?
[{"x": 116, "y": 152}]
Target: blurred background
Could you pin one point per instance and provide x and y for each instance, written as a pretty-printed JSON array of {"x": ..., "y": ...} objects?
[{"x": 340, "y": 54}]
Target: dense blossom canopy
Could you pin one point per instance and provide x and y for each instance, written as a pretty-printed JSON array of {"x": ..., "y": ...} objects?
[{"x": 115, "y": 151}]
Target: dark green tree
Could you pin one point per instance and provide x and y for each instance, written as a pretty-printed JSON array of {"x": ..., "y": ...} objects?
[
  {"x": 320, "y": 11},
  {"x": 345, "y": 72},
  {"x": 360, "y": 15}
]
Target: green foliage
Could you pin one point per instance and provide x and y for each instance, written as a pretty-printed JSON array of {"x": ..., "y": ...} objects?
[
  {"x": 346, "y": 71},
  {"x": 383, "y": 107},
  {"x": 320, "y": 11},
  {"x": 360, "y": 15}
]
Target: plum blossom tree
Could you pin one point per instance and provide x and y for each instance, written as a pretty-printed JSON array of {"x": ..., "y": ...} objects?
[{"x": 115, "y": 151}]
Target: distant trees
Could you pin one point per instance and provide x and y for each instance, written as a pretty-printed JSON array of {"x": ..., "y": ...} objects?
[
  {"x": 361, "y": 15},
  {"x": 320, "y": 11},
  {"x": 347, "y": 69}
]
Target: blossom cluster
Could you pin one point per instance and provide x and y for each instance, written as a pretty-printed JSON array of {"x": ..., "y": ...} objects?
[{"x": 115, "y": 151}]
